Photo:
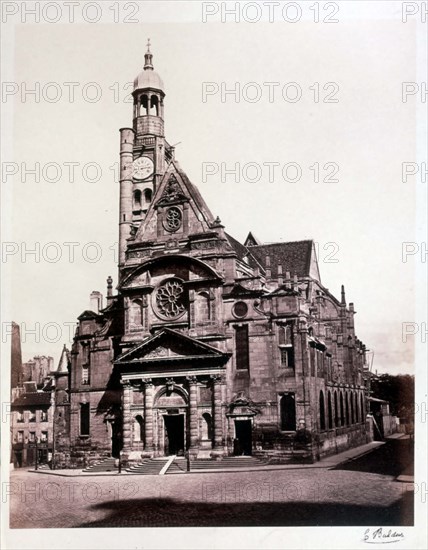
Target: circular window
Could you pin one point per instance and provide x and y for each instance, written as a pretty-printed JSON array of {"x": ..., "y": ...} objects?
[
  {"x": 240, "y": 309},
  {"x": 170, "y": 299},
  {"x": 173, "y": 219}
]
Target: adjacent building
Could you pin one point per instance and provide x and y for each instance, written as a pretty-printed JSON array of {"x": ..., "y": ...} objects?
[{"x": 34, "y": 407}]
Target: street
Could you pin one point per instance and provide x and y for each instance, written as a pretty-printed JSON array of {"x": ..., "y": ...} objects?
[{"x": 292, "y": 497}]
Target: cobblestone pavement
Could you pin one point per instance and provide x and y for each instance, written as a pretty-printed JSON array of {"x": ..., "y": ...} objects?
[{"x": 267, "y": 498}]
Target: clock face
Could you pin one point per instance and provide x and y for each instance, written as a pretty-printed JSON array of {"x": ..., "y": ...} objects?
[{"x": 142, "y": 168}]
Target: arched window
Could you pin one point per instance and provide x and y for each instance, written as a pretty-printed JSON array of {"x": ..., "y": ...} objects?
[
  {"x": 330, "y": 411},
  {"x": 138, "y": 428},
  {"x": 322, "y": 411},
  {"x": 342, "y": 413},
  {"x": 363, "y": 412},
  {"x": 346, "y": 409},
  {"x": 137, "y": 200},
  {"x": 203, "y": 307},
  {"x": 336, "y": 411},
  {"x": 207, "y": 426},
  {"x": 351, "y": 402},
  {"x": 357, "y": 414},
  {"x": 154, "y": 106},
  {"x": 288, "y": 412},
  {"x": 144, "y": 105},
  {"x": 147, "y": 195},
  {"x": 135, "y": 313}
]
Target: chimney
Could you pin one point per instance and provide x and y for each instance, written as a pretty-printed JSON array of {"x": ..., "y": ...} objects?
[
  {"x": 280, "y": 278},
  {"x": 295, "y": 282},
  {"x": 96, "y": 299},
  {"x": 109, "y": 289},
  {"x": 268, "y": 270}
]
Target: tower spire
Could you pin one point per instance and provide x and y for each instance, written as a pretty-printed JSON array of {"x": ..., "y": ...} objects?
[{"x": 148, "y": 57}]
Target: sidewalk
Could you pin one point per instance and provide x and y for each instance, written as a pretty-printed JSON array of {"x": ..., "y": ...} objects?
[{"x": 328, "y": 462}]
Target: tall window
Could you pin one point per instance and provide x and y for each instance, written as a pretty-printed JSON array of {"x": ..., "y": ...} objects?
[
  {"x": 44, "y": 437},
  {"x": 363, "y": 413},
  {"x": 322, "y": 411},
  {"x": 207, "y": 426},
  {"x": 242, "y": 348},
  {"x": 288, "y": 412},
  {"x": 137, "y": 199},
  {"x": 346, "y": 409},
  {"x": 43, "y": 416},
  {"x": 138, "y": 428},
  {"x": 32, "y": 415},
  {"x": 148, "y": 195},
  {"x": 351, "y": 402},
  {"x": 330, "y": 412},
  {"x": 84, "y": 418},
  {"x": 20, "y": 416},
  {"x": 336, "y": 410},
  {"x": 85, "y": 363},
  {"x": 285, "y": 339},
  {"x": 357, "y": 412},
  {"x": 342, "y": 411},
  {"x": 20, "y": 437},
  {"x": 32, "y": 437}
]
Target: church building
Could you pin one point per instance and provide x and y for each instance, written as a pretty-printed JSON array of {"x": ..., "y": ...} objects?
[{"x": 209, "y": 346}]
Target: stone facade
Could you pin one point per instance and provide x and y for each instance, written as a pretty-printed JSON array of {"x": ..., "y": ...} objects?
[{"x": 209, "y": 346}]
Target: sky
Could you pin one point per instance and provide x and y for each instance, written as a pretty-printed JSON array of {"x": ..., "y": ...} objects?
[{"x": 340, "y": 135}]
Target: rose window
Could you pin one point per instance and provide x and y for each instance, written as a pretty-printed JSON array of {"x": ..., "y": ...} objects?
[
  {"x": 170, "y": 299},
  {"x": 173, "y": 219}
]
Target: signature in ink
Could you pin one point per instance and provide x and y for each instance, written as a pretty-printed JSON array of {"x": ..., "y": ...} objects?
[{"x": 382, "y": 536}]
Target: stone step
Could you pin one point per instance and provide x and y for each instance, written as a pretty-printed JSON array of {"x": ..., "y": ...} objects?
[
  {"x": 150, "y": 466},
  {"x": 106, "y": 465},
  {"x": 230, "y": 462}
]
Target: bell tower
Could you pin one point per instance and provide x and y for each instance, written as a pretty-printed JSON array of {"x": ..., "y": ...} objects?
[{"x": 144, "y": 152}]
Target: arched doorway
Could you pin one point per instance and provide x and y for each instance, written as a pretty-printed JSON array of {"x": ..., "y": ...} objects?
[
  {"x": 171, "y": 404},
  {"x": 174, "y": 434}
]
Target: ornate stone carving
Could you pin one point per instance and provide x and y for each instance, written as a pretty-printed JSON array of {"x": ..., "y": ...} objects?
[
  {"x": 170, "y": 299},
  {"x": 173, "y": 219}
]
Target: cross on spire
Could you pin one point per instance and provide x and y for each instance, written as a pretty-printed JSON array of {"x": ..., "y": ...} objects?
[{"x": 148, "y": 57}]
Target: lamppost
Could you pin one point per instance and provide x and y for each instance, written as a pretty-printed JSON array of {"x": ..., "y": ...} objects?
[{"x": 36, "y": 459}]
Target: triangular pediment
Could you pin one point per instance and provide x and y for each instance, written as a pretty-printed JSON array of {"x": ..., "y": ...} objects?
[
  {"x": 192, "y": 214},
  {"x": 168, "y": 345}
]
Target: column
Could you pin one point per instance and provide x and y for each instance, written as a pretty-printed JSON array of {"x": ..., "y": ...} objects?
[
  {"x": 126, "y": 405},
  {"x": 148, "y": 409},
  {"x": 218, "y": 420},
  {"x": 193, "y": 411}
]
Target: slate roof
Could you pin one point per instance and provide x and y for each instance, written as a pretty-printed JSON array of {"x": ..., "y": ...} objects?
[
  {"x": 294, "y": 257},
  {"x": 35, "y": 399},
  {"x": 242, "y": 251}
]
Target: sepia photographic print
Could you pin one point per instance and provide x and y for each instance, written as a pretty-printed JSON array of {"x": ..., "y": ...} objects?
[{"x": 213, "y": 255}]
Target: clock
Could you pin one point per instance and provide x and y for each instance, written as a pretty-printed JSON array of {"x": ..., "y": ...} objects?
[{"x": 142, "y": 168}]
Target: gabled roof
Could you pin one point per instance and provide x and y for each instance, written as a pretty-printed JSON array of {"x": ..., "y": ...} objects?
[
  {"x": 294, "y": 257},
  {"x": 63, "y": 361},
  {"x": 87, "y": 314},
  {"x": 251, "y": 240},
  {"x": 242, "y": 251}
]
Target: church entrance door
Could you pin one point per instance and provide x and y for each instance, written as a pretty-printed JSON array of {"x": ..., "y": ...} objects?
[
  {"x": 174, "y": 434},
  {"x": 243, "y": 441}
]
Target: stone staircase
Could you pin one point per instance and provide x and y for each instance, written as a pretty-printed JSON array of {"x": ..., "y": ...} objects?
[
  {"x": 228, "y": 463},
  {"x": 149, "y": 466},
  {"x": 106, "y": 465},
  {"x": 178, "y": 466}
]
